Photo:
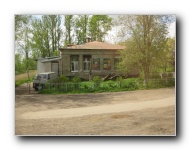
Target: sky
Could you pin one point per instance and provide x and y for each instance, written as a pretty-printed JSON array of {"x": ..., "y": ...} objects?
[{"x": 172, "y": 29}]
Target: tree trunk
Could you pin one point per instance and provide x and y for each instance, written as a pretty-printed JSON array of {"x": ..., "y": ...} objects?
[{"x": 146, "y": 75}]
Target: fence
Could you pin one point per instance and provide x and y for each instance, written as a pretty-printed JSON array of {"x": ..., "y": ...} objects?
[
  {"x": 130, "y": 84},
  {"x": 65, "y": 87}
]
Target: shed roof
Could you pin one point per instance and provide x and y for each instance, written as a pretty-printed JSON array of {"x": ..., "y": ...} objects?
[
  {"x": 51, "y": 59},
  {"x": 96, "y": 45}
]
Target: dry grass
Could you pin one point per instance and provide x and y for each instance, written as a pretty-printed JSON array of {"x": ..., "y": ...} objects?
[
  {"x": 24, "y": 76},
  {"x": 120, "y": 116}
]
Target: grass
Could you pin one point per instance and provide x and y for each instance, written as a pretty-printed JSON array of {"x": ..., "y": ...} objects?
[{"x": 23, "y": 78}]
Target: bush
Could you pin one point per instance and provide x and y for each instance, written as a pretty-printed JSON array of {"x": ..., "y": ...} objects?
[
  {"x": 119, "y": 81},
  {"x": 19, "y": 82},
  {"x": 64, "y": 79},
  {"x": 61, "y": 79},
  {"x": 155, "y": 76},
  {"x": 130, "y": 84},
  {"x": 76, "y": 79},
  {"x": 97, "y": 80}
]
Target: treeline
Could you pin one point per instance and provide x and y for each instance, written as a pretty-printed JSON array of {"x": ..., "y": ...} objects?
[{"x": 42, "y": 35}]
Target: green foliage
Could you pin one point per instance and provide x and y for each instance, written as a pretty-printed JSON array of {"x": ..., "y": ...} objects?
[
  {"x": 131, "y": 84},
  {"x": 81, "y": 28},
  {"x": 99, "y": 25},
  {"x": 145, "y": 51},
  {"x": 62, "y": 79},
  {"x": 69, "y": 23},
  {"x": 119, "y": 81},
  {"x": 76, "y": 79},
  {"x": 19, "y": 82},
  {"x": 46, "y": 35},
  {"x": 155, "y": 75},
  {"x": 18, "y": 64},
  {"x": 97, "y": 80},
  {"x": 56, "y": 53},
  {"x": 106, "y": 86},
  {"x": 22, "y": 65}
]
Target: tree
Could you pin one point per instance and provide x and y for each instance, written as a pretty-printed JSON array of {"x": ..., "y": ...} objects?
[
  {"x": 99, "y": 25},
  {"x": 55, "y": 31},
  {"x": 18, "y": 64},
  {"x": 40, "y": 39},
  {"x": 23, "y": 36},
  {"x": 145, "y": 44},
  {"x": 81, "y": 28},
  {"x": 68, "y": 26},
  {"x": 47, "y": 35},
  {"x": 170, "y": 48}
]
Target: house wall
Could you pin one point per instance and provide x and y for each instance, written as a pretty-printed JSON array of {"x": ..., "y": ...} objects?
[{"x": 66, "y": 62}]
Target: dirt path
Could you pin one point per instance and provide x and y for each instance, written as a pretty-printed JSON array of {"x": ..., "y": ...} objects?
[
  {"x": 114, "y": 108},
  {"x": 143, "y": 112},
  {"x": 24, "y": 89}
]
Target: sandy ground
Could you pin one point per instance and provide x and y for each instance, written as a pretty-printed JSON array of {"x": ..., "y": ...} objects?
[{"x": 143, "y": 112}]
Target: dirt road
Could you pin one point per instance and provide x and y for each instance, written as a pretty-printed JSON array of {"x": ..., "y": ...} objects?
[{"x": 144, "y": 112}]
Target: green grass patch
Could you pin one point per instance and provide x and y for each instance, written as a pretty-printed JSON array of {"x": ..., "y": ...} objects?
[{"x": 19, "y": 82}]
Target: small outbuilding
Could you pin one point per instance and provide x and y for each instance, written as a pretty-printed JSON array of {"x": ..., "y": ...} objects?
[{"x": 49, "y": 64}]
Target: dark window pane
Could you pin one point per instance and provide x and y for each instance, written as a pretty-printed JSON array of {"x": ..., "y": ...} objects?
[{"x": 96, "y": 64}]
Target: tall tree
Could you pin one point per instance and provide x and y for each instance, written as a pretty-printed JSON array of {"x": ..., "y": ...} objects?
[
  {"x": 167, "y": 59},
  {"x": 69, "y": 23},
  {"x": 81, "y": 28},
  {"x": 18, "y": 63},
  {"x": 55, "y": 31},
  {"x": 23, "y": 36},
  {"x": 99, "y": 25},
  {"x": 41, "y": 42},
  {"x": 146, "y": 41},
  {"x": 46, "y": 35}
]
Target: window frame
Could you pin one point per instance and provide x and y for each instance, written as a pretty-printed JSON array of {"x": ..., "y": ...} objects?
[
  {"x": 87, "y": 62},
  {"x": 74, "y": 63}
]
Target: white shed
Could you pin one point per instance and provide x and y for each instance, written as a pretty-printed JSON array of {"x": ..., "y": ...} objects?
[{"x": 49, "y": 64}]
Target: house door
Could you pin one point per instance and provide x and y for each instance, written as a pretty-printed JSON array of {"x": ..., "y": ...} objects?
[{"x": 55, "y": 68}]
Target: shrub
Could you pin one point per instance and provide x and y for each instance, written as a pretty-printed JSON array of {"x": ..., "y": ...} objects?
[
  {"x": 119, "y": 81},
  {"x": 76, "y": 79},
  {"x": 19, "y": 82},
  {"x": 61, "y": 79},
  {"x": 130, "y": 84},
  {"x": 97, "y": 80},
  {"x": 155, "y": 76}
]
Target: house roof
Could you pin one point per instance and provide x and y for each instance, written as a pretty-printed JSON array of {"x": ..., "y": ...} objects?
[{"x": 96, "y": 45}]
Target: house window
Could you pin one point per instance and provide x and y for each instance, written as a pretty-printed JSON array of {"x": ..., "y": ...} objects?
[
  {"x": 86, "y": 62},
  {"x": 74, "y": 63},
  {"x": 96, "y": 64},
  {"x": 107, "y": 64}
]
